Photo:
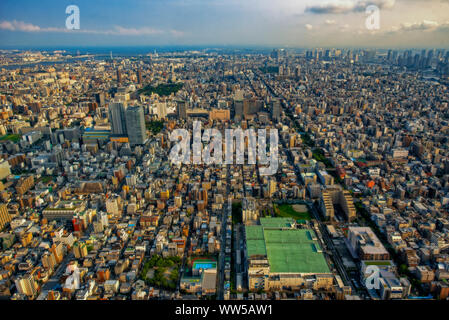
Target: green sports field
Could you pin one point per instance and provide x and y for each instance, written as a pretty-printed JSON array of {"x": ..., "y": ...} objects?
[
  {"x": 11, "y": 137},
  {"x": 287, "y": 250},
  {"x": 287, "y": 211}
]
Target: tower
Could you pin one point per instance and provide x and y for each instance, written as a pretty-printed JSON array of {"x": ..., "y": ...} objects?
[
  {"x": 135, "y": 124},
  {"x": 161, "y": 109},
  {"x": 119, "y": 77},
  {"x": 27, "y": 285},
  {"x": 275, "y": 110},
  {"x": 5, "y": 218},
  {"x": 117, "y": 118},
  {"x": 139, "y": 76},
  {"x": 99, "y": 98},
  {"x": 297, "y": 72},
  {"x": 238, "y": 105},
  {"x": 182, "y": 110}
]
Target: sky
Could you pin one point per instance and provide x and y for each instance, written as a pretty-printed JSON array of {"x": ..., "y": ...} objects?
[{"x": 247, "y": 23}]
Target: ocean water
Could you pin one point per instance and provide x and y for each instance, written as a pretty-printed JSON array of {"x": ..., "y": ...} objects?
[{"x": 102, "y": 53}]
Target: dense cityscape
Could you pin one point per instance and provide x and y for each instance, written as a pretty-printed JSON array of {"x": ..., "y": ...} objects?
[{"x": 93, "y": 208}]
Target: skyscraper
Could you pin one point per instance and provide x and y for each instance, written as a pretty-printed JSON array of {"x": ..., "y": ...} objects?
[
  {"x": 119, "y": 77},
  {"x": 275, "y": 109},
  {"x": 139, "y": 76},
  {"x": 26, "y": 285},
  {"x": 272, "y": 187},
  {"x": 135, "y": 124},
  {"x": 117, "y": 118},
  {"x": 238, "y": 105},
  {"x": 99, "y": 98},
  {"x": 5, "y": 218},
  {"x": 297, "y": 72},
  {"x": 5, "y": 169},
  {"x": 182, "y": 110},
  {"x": 161, "y": 109}
]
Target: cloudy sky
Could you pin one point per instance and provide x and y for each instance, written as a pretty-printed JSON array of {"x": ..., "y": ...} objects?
[{"x": 289, "y": 23}]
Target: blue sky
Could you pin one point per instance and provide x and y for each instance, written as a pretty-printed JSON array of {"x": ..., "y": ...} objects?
[{"x": 294, "y": 23}]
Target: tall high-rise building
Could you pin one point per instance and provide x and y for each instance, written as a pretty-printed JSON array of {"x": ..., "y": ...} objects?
[
  {"x": 135, "y": 124},
  {"x": 80, "y": 249},
  {"x": 117, "y": 118},
  {"x": 102, "y": 217},
  {"x": 139, "y": 76},
  {"x": 113, "y": 206},
  {"x": 119, "y": 77},
  {"x": 272, "y": 187},
  {"x": 48, "y": 260},
  {"x": 297, "y": 72},
  {"x": 58, "y": 251},
  {"x": 5, "y": 169},
  {"x": 5, "y": 217},
  {"x": 182, "y": 110},
  {"x": 26, "y": 285},
  {"x": 238, "y": 105},
  {"x": 276, "y": 109},
  {"x": 281, "y": 70},
  {"x": 251, "y": 106},
  {"x": 99, "y": 98},
  {"x": 238, "y": 109},
  {"x": 161, "y": 110}
]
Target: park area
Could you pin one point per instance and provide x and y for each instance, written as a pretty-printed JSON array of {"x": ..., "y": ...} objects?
[
  {"x": 161, "y": 272},
  {"x": 295, "y": 211},
  {"x": 162, "y": 89},
  {"x": 11, "y": 137},
  {"x": 155, "y": 126}
]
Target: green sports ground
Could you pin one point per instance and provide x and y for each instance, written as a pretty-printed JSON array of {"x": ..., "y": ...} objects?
[{"x": 288, "y": 250}]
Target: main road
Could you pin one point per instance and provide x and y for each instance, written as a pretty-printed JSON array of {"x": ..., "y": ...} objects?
[
  {"x": 322, "y": 227},
  {"x": 227, "y": 208}
]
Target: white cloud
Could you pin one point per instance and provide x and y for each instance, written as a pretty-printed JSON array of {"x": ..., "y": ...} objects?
[
  {"x": 425, "y": 25},
  {"x": 344, "y": 27},
  {"x": 6, "y": 25},
  {"x": 346, "y": 6},
  {"x": 135, "y": 31},
  {"x": 18, "y": 26},
  {"x": 117, "y": 30},
  {"x": 176, "y": 33}
]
